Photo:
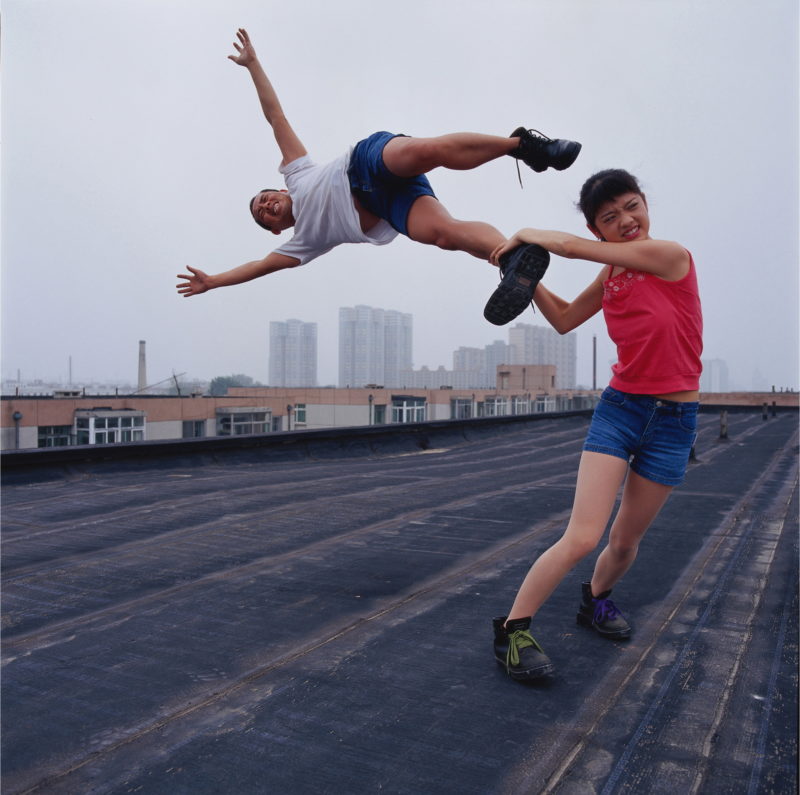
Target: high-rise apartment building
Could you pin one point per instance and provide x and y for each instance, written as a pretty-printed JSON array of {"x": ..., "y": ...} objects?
[
  {"x": 497, "y": 353},
  {"x": 473, "y": 359},
  {"x": 540, "y": 345},
  {"x": 477, "y": 367},
  {"x": 714, "y": 377},
  {"x": 398, "y": 343},
  {"x": 375, "y": 346},
  {"x": 292, "y": 353}
]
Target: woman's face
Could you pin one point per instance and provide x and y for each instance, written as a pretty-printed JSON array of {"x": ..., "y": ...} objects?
[{"x": 623, "y": 219}]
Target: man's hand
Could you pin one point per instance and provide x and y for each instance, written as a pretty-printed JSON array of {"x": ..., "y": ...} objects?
[
  {"x": 290, "y": 145},
  {"x": 246, "y": 52},
  {"x": 196, "y": 283}
]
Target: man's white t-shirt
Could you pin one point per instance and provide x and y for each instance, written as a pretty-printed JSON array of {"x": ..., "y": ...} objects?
[{"x": 323, "y": 209}]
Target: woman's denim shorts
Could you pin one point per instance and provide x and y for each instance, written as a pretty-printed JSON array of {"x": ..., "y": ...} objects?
[
  {"x": 655, "y": 435},
  {"x": 388, "y": 196}
]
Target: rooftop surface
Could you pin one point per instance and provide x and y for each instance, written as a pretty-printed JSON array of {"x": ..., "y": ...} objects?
[{"x": 316, "y": 618}]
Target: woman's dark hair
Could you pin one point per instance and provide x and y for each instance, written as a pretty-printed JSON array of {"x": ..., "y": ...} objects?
[
  {"x": 604, "y": 186},
  {"x": 263, "y": 190}
]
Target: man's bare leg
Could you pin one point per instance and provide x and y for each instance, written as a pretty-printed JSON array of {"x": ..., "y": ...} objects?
[
  {"x": 429, "y": 222},
  {"x": 409, "y": 157}
]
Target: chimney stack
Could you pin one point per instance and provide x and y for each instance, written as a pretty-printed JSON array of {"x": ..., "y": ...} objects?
[{"x": 142, "y": 385}]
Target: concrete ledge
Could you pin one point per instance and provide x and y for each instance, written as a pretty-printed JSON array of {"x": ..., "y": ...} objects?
[
  {"x": 360, "y": 440},
  {"x": 420, "y": 435}
]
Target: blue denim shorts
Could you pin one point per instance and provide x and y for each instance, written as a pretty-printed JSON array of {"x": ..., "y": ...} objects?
[
  {"x": 655, "y": 435},
  {"x": 381, "y": 192}
]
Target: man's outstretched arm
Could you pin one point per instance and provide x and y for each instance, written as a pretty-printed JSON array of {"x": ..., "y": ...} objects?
[
  {"x": 199, "y": 282},
  {"x": 290, "y": 145}
]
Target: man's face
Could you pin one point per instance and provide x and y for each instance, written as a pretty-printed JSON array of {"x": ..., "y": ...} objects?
[{"x": 273, "y": 210}]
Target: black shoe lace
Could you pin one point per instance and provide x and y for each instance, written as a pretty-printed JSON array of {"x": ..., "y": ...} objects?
[{"x": 541, "y": 135}]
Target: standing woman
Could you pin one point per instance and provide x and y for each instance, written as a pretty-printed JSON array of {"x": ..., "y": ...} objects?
[{"x": 643, "y": 428}]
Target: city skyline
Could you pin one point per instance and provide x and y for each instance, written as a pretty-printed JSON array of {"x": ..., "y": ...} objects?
[
  {"x": 375, "y": 348},
  {"x": 123, "y": 370},
  {"x": 523, "y": 340}
]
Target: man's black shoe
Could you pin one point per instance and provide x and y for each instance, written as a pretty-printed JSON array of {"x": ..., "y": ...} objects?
[
  {"x": 540, "y": 152},
  {"x": 601, "y": 614},
  {"x": 521, "y": 268},
  {"x": 517, "y": 651}
]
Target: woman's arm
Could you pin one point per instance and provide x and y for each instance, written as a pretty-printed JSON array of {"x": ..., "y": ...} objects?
[
  {"x": 564, "y": 316},
  {"x": 660, "y": 257},
  {"x": 198, "y": 282}
]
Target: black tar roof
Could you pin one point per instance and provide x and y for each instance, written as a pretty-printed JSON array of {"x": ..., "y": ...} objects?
[{"x": 316, "y": 618}]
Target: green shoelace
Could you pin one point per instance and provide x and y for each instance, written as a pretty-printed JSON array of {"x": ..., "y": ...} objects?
[{"x": 521, "y": 639}]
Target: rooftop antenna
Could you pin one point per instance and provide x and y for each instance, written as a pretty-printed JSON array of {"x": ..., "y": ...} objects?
[{"x": 173, "y": 378}]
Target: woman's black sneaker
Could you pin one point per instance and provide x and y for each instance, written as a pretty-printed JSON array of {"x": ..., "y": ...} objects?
[
  {"x": 521, "y": 269},
  {"x": 517, "y": 651},
  {"x": 601, "y": 614},
  {"x": 540, "y": 152}
]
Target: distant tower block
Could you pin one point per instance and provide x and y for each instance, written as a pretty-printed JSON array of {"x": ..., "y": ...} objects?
[{"x": 142, "y": 385}]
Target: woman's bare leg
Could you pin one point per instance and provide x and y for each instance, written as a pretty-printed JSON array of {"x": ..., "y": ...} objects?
[
  {"x": 599, "y": 479},
  {"x": 642, "y": 500}
]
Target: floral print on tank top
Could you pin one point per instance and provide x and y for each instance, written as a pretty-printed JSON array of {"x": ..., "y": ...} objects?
[{"x": 621, "y": 284}]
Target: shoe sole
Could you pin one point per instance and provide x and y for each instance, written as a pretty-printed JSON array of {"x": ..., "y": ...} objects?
[
  {"x": 515, "y": 292},
  {"x": 563, "y": 160},
  {"x": 583, "y": 621},
  {"x": 531, "y": 673}
]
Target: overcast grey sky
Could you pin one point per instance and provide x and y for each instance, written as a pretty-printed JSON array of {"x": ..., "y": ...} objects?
[{"x": 131, "y": 146}]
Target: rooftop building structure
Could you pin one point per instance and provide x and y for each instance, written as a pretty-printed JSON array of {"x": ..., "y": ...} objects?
[{"x": 71, "y": 418}]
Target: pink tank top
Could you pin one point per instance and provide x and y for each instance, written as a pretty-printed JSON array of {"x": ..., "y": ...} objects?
[{"x": 657, "y": 326}]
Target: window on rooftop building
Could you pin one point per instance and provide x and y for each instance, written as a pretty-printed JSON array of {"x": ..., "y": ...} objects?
[
  {"x": 55, "y": 435},
  {"x": 461, "y": 408},
  {"x": 495, "y": 407},
  {"x": 408, "y": 409},
  {"x": 521, "y": 405},
  {"x": 544, "y": 403},
  {"x": 109, "y": 428},
  {"x": 233, "y": 422},
  {"x": 194, "y": 429}
]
